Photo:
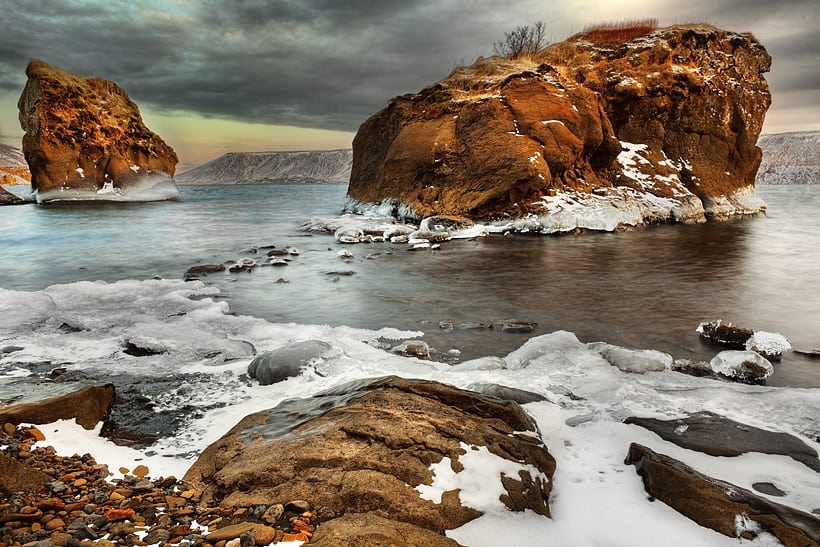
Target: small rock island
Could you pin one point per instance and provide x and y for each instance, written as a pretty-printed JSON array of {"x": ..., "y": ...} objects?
[
  {"x": 612, "y": 128},
  {"x": 85, "y": 139}
]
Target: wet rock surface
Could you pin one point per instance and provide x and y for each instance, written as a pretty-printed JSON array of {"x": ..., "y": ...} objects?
[
  {"x": 289, "y": 360},
  {"x": 367, "y": 445},
  {"x": 717, "y": 435},
  {"x": 721, "y": 506},
  {"x": 87, "y": 407}
]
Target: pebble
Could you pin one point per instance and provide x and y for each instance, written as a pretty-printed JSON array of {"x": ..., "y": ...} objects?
[{"x": 79, "y": 505}]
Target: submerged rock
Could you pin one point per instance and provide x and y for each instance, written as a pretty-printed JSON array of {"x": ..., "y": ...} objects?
[
  {"x": 372, "y": 447},
  {"x": 585, "y": 136},
  {"x": 85, "y": 139},
  {"x": 719, "y": 505},
  {"x": 725, "y": 334}
]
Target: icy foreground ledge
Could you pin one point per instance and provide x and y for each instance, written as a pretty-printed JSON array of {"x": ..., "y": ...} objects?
[{"x": 585, "y": 399}]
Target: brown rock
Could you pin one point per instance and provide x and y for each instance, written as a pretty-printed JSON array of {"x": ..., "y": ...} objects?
[
  {"x": 9, "y": 428},
  {"x": 17, "y": 476},
  {"x": 87, "y": 406},
  {"x": 55, "y": 524},
  {"x": 263, "y": 535},
  {"x": 491, "y": 140},
  {"x": 354, "y": 530},
  {"x": 367, "y": 445},
  {"x": 716, "y": 504},
  {"x": 230, "y": 532},
  {"x": 119, "y": 514},
  {"x": 140, "y": 471},
  {"x": 81, "y": 133}
]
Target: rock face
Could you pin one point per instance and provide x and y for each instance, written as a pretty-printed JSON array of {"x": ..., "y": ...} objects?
[
  {"x": 721, "y": 506},
  {"x": 85, "y": 139},
  {"x": 370, "y": 447},
  {"x": 315, "y": 166},
  {"x": 660, "y": 128},
  {"x": 790, "y": 158},
  {"x": 7, "y": 198}
]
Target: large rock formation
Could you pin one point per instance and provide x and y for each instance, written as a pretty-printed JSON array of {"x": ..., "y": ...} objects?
[
  {"x": 391, "y": 448},
  {"x": 85, "y": 139},
  {"x": 659, "y": 128},
  {"x": 312, "y": 166}
]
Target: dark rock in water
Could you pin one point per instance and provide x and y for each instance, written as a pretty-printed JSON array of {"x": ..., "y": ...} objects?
[
  {"x": 725, "y": 334},
  {"x": 87, "y": 407},
  {"x": 278, "y": 252},
  {"x": 768, "y": 488},
  {"x": 194, "y": 272},
  {"x": 10, "y": 349},
  {"x": 413, "y": 348},
  {"x": 285, "y": 362},
  {"x": 721, "y": 506},
  {"x": 357, "y": 529},
  {"x": 137, "y": 351},
  {"x": 717, "y": 435},
  {"x": 520, "y": 396},
  {"x": 367, "y": 445},
  {"x": 693, "y": 368},
  {"x": 345, "y": 273},
  {"x": 514, "y": 325}
]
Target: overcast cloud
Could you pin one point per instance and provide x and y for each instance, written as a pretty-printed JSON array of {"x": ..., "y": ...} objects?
[{"x": 330, "y": 64}]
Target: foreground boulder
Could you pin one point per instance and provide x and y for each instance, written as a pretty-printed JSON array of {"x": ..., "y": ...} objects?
[
  {"x": 591, "y": 133},
  {"x": 285, "y": 362},
  {"x": 87, "y": 407},
  {"x": 85, "y": 139},
  {"x": 370, "y": 447},
  {"x": 721, "y": 506}
]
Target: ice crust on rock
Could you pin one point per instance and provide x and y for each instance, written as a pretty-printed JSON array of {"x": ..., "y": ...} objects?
[
  {"x": 742, "y": 365},
  {"x": 769, "y": 344},
  {"x": 633, "y": 360}
]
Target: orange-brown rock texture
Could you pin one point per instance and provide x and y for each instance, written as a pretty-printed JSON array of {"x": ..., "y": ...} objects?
[
  {"x": 660, "y": 128},
  {"x": 84, "y": 138}
]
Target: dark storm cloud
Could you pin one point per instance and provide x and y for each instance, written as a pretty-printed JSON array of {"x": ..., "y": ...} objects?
[{"x": 329, "y": 63}]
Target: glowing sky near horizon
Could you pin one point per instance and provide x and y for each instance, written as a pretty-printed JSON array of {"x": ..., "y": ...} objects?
[{"x": 214, "y": 76}]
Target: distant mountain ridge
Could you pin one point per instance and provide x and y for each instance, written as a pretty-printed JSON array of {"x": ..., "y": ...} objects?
[
  {"x": 312, "y": 166},
  {"x": 790, "y": 158}
]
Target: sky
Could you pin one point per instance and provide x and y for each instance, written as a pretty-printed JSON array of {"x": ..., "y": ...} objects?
[{"x": 216, "y": 76}]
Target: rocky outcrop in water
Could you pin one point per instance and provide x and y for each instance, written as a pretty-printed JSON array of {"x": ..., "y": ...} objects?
[
  {"x": 790, "y": 158},
  {"x": 85, "y": 139},
  {"x": 371, "y": 447},
  {"x": 87, "y": 407},
  {"x": 314, "y": 166},
  {"x": 658, "y": 128}
]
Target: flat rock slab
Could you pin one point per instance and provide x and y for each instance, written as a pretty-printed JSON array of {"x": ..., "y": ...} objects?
[
  {"x": 364, "y": 448},
  {"x": 717, "y": 435},
  {"x": 87, "y": 407},
  {"x": 719, "y": 505},
  {"x": 19, "y": 477}
]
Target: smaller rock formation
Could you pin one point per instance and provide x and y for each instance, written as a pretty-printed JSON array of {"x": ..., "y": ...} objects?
[
  {"x": 85, "y": 139},
  {"x": 721, "y": 506},
  {"x": 87, "y": 407},
  {"x": 790, "y": 158},
  {"x": 374, "y": 447},
  {"x": 748, "y": 367},
  {"x": 771, "y": 345}
]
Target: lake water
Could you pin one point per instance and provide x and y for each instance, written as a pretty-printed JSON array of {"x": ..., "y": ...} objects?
[
  {"x": 80, "y": 284},
  {"x": 647, "y": 288}
]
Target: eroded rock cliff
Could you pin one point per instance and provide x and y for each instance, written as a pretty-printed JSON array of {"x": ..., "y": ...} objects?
[
  {"x": 84, "y": 138},
  {"x": 659, "y": 128}
]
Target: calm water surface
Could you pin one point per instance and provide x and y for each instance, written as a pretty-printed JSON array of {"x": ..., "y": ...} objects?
[{"x": 648, "y": 288}]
